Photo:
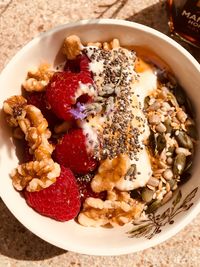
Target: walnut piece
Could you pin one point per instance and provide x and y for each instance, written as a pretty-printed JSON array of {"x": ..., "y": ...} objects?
[
  {"x": 72, "y": 46},
  {"x": 42, "y": 172},
  {"x": 14, "y": 107},
  {"x": 35, "y": 175},
  {"x": 117, "y": 210},
  {"x": 110, "y": 172},
  {"x": 37, "y": 79}
]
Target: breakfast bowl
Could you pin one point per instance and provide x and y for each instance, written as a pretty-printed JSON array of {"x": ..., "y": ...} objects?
[{"x": 153, "y": 227}]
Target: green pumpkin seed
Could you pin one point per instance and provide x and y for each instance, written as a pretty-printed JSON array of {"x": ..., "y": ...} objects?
[
  {"x": 160, "y": 143},
  {"x": 168, "y": 126},
  {"x": 147, "y": 194},
  {"x": 189, "y": 161},
  {"x": 172, "y": 183},
  {"x": 173, "y": 100},
  {"x": 184, "y": 140},
  {"x": 192, "y": 131},
  {"x": 153, "y": 206},
  {"x": 179, "y": 164},
  {"x": 152, "y": 142}
]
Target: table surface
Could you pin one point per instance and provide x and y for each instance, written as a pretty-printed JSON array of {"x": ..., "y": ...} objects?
[{"x": 20, "y": 21}]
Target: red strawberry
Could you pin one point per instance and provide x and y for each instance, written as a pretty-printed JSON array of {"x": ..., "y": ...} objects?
[
  {"x": 61, "y": 92},
  {"x": 71, "y": 152},
  {"x": 86, "y": 190},
  {"x": 60, "y": 200},
  {"x": 81, "y": 63},
  {"x": 39, "y": 100}
]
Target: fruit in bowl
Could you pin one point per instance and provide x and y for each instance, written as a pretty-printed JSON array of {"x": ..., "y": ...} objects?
[{"x": 110, "y": 134}]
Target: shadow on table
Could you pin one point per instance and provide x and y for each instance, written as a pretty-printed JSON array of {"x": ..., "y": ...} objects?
[
  {"x": 19, "y": 243},
  {"x": 154, "y": 16}
]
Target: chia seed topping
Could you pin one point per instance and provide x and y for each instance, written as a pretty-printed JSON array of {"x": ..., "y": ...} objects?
[{"x": 113, "y": 73}]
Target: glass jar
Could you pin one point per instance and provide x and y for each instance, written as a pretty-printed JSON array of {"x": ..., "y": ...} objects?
[{"x": 184, "y": 20}]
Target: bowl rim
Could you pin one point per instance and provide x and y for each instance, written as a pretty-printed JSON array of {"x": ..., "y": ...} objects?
[{"x": 121, "y": 250}]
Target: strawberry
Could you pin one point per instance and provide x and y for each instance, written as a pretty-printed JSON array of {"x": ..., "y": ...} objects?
[
  {"x": 39, "y": 100},
  {"x": 81, "y": 63},
  {"x": 71, "y": 152},
  {"x": 86, "y": 190},
  {"x": 61, "y": 92},
  {"x": 60, "y": 201}
]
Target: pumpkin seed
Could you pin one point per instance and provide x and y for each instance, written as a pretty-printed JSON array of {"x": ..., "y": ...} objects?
[
  {"x": 160, "y": 143},
  {"x": 192, "y": 131},
  {"x": 184, "y": 140},
  {"x": 189, "y": 161},
  {"x": 153, "y": 206},
  {"x": 168, "y": 126},
  {"x": 147, "y": 194},
  {"x": 152, "y": 142},
  {"x": 179, "y": 164},
  {"x": 173, "y": 100},
  {"x": 172, "y": 183}
]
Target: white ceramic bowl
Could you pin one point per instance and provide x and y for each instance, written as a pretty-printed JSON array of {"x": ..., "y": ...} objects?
[{"x": 70, "y": 235}]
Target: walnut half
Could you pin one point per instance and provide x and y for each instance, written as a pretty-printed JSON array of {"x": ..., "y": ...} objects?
[
  {"x": 117, "y": 210},
  {"x": 42, "y": 171}
]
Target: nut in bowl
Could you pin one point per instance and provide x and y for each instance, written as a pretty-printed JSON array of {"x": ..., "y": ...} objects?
[{"x": 108, "y": 114}]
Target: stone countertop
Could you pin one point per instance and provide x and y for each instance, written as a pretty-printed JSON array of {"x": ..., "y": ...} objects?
[{"x": 20, "y": 21}]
